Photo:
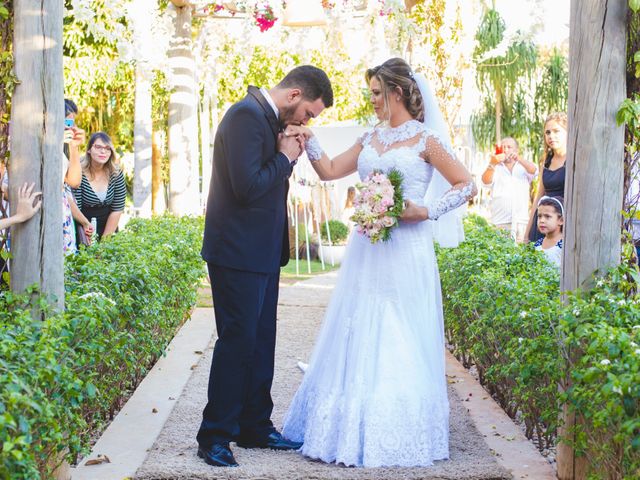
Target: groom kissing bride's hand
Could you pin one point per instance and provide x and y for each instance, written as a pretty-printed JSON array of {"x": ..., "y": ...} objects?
[
  {"x": 291, "y": 145},
  {"x": 245, "y": 243}
]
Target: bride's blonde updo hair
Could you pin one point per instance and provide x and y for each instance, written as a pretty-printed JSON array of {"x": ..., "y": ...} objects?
[{"x": 396, "y": 74}]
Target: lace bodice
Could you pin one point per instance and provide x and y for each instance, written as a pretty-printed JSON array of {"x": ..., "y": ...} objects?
[
  {"x": 382, "y": 151},
  {"x": 403, "y": 148},
  {"x": 407, "y": 148}
]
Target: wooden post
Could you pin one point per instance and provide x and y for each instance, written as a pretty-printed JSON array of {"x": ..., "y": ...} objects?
[
  {"x": 37, "y": 124},
  {"x": 158, "y": 203},
  {"x": 183, "y": 120},
  {"x": 594, "y": 167}
]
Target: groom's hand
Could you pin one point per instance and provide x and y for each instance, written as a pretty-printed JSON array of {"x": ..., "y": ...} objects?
[{"x": 291, "y": 146}]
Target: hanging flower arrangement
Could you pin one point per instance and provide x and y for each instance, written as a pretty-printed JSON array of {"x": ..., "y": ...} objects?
[
  {"x": 386, "y": 8},
  {"x": 214, "y": 7},
  {"x": 264, "y": 17}
]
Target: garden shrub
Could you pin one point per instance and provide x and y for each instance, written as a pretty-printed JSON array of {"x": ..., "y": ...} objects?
[
  {"x": 338, "y": 230},
  {"x": 503, "y": 313},
  {"x": 501, "y": 301},
  {"x": 602, "y": 332},
  {"x": 63, "y": 378}
]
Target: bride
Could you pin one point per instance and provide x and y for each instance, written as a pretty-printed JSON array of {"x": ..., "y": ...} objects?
[{"x": 374, "y": 393}]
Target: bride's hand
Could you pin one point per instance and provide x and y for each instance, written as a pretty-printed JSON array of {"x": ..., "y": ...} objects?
[
  {"x": 298, "y": 130},
  {"x": 413, "y": 213}
]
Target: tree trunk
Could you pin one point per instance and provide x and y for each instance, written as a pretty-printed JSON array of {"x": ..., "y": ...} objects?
[
  {"x": 158, "y": 203},
  {"x": 143, "y": 125},
  {"x": 594, "y": 178},
  {"x": 37, "y": 123},
  {"x": 183, "y": 121},
  {"x": 205, "y": 145},
  {"x": 142, "y": 145},
  {"x": 213, "y": 128},
  {"x": 596, "y": 145}
]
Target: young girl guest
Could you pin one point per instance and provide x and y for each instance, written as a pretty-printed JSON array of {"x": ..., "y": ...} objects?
[
  {"x": 552, "y": 166},
  {"x": 550, "y": 221}
]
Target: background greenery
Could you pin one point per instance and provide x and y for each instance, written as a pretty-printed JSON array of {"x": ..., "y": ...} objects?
[{"x": 526, "y": 82}]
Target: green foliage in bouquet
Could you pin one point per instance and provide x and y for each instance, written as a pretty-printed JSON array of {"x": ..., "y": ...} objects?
[
  {"x": 395, "y": 177},
  {"x": 337, "y": 229},
  {"x": 65, "y": 377}
]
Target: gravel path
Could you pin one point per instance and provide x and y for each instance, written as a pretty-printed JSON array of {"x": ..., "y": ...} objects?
[{"x": 301, "y": 307}]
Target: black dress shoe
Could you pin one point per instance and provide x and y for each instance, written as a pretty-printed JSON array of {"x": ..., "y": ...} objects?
[
  {"x": 218, "y": 455},
  {"x": 274, "y": 440}
]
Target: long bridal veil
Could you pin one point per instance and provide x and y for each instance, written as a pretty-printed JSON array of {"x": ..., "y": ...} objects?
[{"x": 447, "y": 230}]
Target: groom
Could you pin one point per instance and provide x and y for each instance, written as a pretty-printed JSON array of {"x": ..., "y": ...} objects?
[{"x": 245, "y": 242}]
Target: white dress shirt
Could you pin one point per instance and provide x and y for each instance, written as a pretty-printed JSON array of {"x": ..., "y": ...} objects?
[
  {"x": 270, "y": 101},
  {"x": 266, "y": 95},
  {"x": 510, "y": 194}
]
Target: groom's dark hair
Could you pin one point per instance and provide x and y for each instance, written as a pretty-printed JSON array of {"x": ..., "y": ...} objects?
[{"x": 312, "y": 81}]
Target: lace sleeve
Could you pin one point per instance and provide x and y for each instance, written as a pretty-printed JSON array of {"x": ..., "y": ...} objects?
[
  {"x": 457, "y": 196},
  {"x": 314, "y": 150},
  {"x": 442, "y": 157}
]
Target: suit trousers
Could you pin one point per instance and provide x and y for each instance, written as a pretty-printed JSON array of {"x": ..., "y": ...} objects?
[{"x": 239, "y": 394}]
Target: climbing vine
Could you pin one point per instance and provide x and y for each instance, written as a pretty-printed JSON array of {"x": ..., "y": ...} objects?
[{"x": 7, "y": 77}]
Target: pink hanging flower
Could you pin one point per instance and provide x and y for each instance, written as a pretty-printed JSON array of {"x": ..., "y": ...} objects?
[{"x": 264, "y": 17}]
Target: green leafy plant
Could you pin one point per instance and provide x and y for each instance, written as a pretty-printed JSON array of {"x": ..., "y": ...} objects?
[
  {"x": 337, "y": 229},
  {"x": 629, "y": 116},
  {"x": 551, "y": 95},
  {"x": 64, "y": 378},
  {"x": 504, "y": 76},
  {"x": 503, "y": 314}
]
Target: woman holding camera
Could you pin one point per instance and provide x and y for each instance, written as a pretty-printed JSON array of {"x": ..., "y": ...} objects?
[
  {"x": 71, "y": 173},
  {"x": 102, "y": 191}
]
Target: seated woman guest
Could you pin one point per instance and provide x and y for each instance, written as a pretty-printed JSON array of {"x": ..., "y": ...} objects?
[{"x": 102, "y": 191}]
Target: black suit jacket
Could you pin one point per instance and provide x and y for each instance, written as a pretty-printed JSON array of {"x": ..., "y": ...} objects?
[{"x": 246, "y": 226}]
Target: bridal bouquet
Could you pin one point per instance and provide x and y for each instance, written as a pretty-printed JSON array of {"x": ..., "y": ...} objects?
[{"x": 378, "y": 204}]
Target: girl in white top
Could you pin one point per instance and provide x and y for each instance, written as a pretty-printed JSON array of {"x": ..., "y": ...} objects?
[{"x": 550, "y": 221}]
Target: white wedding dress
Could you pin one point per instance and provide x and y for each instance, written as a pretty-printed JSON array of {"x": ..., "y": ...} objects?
[{"x": 375, "y": 392}]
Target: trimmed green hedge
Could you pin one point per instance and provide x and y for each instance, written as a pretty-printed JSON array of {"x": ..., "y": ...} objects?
[
  {"x": 338, "y": 230},
  {"x": 503, "y": 314},
  {"x": 63, "y": 378}
]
